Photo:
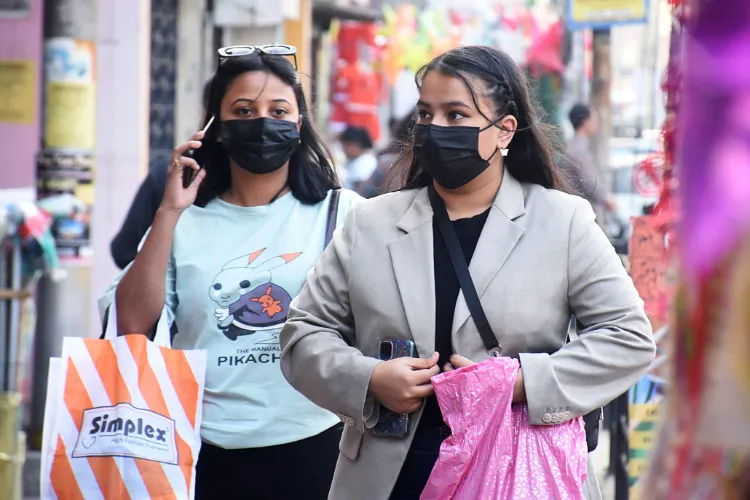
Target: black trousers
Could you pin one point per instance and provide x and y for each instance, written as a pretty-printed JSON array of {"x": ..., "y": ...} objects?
[
  {"x": 299, "y": 470},
  {"x": 418, "y": 465}
]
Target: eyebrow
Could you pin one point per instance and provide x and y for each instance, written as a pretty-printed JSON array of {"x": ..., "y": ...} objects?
[
  {"x": 245, "y": 99},
  {"x": 449, "y": 104}
]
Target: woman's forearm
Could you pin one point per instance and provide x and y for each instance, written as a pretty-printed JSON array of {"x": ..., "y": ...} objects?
[{"x": 141, "y": 293}]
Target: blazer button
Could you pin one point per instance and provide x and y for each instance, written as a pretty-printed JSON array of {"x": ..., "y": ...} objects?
[
  {"x": 555, "y": 418},
  {"x": 547, "y": 418},
  {"x": 568, "y": 416},
  {"x": 346, "y": 419}
]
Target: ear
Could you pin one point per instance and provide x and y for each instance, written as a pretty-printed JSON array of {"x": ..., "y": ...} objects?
[
  {"x": 275, "y": 262},
  {"x": 299, "y": 123},
  {"x": 243, "y": 261},
  {"x": 254, "y": 255},
  {"x": 506, "y": 129}
]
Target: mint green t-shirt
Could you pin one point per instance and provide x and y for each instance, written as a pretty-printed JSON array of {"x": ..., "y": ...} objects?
[{"x": 232, "y": 275}]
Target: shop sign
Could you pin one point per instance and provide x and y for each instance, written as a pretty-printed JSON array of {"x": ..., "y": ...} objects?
[{"x": 598, "y": 14}]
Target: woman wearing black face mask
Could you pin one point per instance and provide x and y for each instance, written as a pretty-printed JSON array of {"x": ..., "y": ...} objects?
[
  {"x": 480, "y": 189},
  {"x": 227, "y": 254}
]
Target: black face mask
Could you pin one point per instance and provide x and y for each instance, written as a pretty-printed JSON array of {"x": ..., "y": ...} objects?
[
  {"x": 260, "y": 145},
  {"x": 450, "y": 155}
]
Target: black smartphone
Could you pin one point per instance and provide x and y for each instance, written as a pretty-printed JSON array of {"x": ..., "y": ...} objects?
[
  {"x": 189, "y": 174},
  {"x": 391, "y": 424}
]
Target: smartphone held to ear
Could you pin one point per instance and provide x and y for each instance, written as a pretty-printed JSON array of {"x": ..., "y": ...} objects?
[
  {"x": 391, "y": 424},
  {"x": 189, "y": 174}
]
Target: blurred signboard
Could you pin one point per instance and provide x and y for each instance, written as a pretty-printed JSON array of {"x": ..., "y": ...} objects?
[
  {"x": 14, "y": 8},
  {"x": 18, "y": 91},
  {"x": 239, "y": 13},
  {"x": 70, "y": 94},
  {"x": 593, "y": 14},
  {"x": 645, "y": 407}
]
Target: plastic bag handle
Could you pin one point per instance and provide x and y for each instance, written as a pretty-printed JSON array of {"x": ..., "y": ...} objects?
[{"x": 161, "y": 338}]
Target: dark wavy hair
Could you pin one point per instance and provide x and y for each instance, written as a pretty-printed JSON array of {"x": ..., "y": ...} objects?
[
  {"x": 493, "y": 74},
  {"x": 311, "y": 170}
]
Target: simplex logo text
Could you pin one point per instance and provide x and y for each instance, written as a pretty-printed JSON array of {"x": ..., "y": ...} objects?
[{"x": 124, "y": 430}]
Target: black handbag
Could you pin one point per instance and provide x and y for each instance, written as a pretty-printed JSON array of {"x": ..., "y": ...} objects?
[{"x": 591, "y": 420}]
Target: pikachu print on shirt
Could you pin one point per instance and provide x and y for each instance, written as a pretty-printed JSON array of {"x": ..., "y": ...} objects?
[{"x": 250, "y": 303}]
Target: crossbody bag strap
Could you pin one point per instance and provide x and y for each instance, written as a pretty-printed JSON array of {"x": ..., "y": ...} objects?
[
  {"x": 333, "y": 212},
  {"x": 462, "y": 272}
]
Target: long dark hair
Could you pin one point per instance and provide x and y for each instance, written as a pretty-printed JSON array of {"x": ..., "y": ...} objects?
[
  {"x": 311, "y": 170},
  {"x": 530, "y": 155}
]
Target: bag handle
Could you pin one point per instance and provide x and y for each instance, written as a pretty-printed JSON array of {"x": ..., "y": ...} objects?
[
  {"x": 162, "y": 336},
  {"x": 458, "y": 259},
  {"x": 333, "y": 212}
]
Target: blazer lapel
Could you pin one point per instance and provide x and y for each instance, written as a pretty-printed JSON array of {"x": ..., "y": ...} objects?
[
  {"x": 413, "y": 263},
  {"x": 499, "y": 237}
]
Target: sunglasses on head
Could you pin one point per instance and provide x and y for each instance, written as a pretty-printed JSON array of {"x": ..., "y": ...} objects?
[{"x": 270, "y": 50}]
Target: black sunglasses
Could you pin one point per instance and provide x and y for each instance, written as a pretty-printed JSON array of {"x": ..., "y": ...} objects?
[{"x": 271, "y": 50}]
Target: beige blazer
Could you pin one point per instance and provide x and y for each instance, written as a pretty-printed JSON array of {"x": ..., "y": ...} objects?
[{"x": 540, "y": 257}]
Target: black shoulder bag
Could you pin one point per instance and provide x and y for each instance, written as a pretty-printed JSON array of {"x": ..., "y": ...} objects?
[
  {"x": 333, "y": 212},
  {"x": 591, "y": 421}
]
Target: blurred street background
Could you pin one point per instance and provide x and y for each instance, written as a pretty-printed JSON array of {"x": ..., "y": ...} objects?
[{"x": 94, "y": 93}]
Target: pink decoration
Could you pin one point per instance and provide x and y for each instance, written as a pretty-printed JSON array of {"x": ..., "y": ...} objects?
[{"x": 544, "y": 54}]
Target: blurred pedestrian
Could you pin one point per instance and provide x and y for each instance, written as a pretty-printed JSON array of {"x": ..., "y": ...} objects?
[
  {"x": 377, "y": 183},
  {"x": 361, "y": 162},
  {"x": 482, "y": 190},
  {"x": 224, "y": 258},
  {"x": 579, "y": 165},
  {"x": 142, "y": 210}
]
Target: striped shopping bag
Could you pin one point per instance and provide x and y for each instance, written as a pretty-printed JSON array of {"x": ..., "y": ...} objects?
[{"x": 124, "y": 422}]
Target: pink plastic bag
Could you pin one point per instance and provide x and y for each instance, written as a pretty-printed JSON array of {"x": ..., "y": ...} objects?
[{"x": 494, "y": 453}]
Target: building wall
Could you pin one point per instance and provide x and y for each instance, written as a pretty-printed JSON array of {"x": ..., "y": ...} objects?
[
  {"x": 123, "y": 46},
  {"x": 195, "y": 59},
  {"x": 21, "y": 39}
]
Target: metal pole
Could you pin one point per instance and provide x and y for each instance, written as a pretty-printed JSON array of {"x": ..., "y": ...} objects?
[
  {"x": 65, "y": 164},
  {"x": 600, "y": 93}
]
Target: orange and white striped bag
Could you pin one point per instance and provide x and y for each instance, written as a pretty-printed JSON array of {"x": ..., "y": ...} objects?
[{"x": 123, "y": 419}]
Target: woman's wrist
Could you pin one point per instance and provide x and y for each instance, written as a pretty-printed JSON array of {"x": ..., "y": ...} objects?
[
  {"x": 519, "y": 389},
  {"x": 167, "y": 214}
]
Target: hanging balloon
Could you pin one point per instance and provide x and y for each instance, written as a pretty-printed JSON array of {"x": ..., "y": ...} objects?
[
  {"x": 456, "y": 18},
  {"x": 417, "y": 54},
  {"x": 393, "y": 61},
  {"x": 440, "y": 45}
]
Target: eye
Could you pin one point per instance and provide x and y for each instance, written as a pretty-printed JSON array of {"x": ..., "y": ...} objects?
[
  {"x": 217, "y": 286},
  {"x": 245, "y": 111},
  {"x": 455, "y": 116},
  {"x": 244, "y": 284},
  {"x": 423, "y": 115},
  {"x": 280, "y": 112}
]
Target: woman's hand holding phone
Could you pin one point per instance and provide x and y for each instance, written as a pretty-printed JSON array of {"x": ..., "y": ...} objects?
[
  {"x": 401, "y": 384},
  {"x": 177, "y": 197}
]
